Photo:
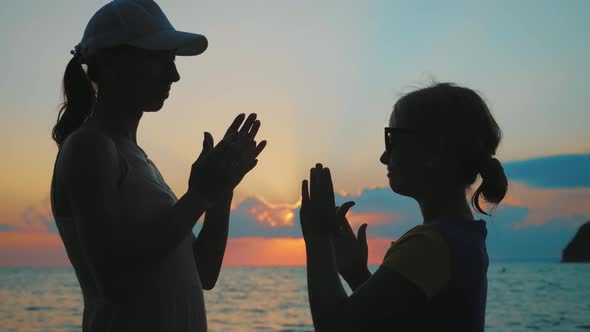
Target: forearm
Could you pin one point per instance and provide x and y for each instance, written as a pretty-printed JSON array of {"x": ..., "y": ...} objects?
[
  {"x": 209, "y": 246},
  {"x": 326, "y": 293}
]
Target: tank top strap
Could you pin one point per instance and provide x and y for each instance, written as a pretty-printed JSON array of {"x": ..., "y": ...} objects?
[{"x": 123, "y": 163}]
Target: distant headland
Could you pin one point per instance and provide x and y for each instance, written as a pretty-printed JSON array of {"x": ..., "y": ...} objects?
[{"x": 578, "y": 250}]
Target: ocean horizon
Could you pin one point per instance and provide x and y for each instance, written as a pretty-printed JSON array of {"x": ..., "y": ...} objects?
[{"x": 522, "y": 296}]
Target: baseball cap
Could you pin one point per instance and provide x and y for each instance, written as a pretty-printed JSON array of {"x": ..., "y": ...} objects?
[{"x": 138, "y": 23}]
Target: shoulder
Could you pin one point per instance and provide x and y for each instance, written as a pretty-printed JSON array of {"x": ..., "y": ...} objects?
[
  {"x": 422, "y": 239},
  {"x": 86, "y": 139},
  {"x": 421, "y": 255},
  {"x": 88, "y": 151}
]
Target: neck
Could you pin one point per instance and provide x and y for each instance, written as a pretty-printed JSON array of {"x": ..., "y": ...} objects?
[
  {"x": 450, "y": 205},
  {"x": 115, "y": 118}
]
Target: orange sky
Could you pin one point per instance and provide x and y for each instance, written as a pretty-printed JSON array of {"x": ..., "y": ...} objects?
[{"x": 46, "y": 249}]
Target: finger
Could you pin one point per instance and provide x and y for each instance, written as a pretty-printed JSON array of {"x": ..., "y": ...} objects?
[
  {"x": 342, "y": 221},
  {"x": 252, "y": 133},
  {"x": 248, "y": 149},
  {"x": 252, "y": 165},
  {"x": 314, "y": 178},
  {"x": 342, "y": 210},
  {"x": 304, "y": 193},
  {"x": 208, "y": 142},
  {"x": 248, "y": 124},
  {"x": 205, "y": 148},
  {"x": 259, "y": 149},
  {"x": 362, "y": 233},
  {"x": 233, "y": 128},
  {"x": 362, "y": 239},
  {"x": 328, "y": 187}
]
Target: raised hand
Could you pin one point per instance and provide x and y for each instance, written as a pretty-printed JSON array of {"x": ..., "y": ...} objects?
[
  {"x": 243, "y": 149},
  {"x": 351, "y": 252},
  {"x": 318, "y": 208},
  {"x": 219, "y": 169}
]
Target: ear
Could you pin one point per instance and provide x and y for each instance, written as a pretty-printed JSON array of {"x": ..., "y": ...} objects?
[
  {"x": 433, "y": 157},
  {"x": 440, "y": 152}
]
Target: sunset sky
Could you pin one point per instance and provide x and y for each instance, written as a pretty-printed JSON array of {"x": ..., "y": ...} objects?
[{"x": 323, "y": 77}]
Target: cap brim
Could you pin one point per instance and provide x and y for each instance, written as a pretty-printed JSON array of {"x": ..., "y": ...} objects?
[{"x": 185, "y": 43}]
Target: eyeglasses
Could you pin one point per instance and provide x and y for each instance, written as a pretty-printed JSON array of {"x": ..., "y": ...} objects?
[{"x": 390, "y": 132}]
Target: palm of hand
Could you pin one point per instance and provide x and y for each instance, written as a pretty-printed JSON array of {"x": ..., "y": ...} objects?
[
  {"x": 219, "y": 169},
  {"x": 317, "y": 214},
  {"x": 351, "y": 252},
  {"x": 321, "y": 219}
]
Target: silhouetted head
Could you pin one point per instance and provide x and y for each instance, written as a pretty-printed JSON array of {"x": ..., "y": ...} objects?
[
  {"x": 438, "y": 140},
  {"x": 128, "y": 49},
  {"x": 138, "y": 78}
]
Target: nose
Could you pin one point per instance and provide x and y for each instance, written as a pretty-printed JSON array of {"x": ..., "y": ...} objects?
[
  {"x": 384, "y": 159},
  {"x": 174, "y": 75}
]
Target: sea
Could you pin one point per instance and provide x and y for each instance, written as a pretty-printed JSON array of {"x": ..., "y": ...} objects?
[{"x": 521, "y": 297}]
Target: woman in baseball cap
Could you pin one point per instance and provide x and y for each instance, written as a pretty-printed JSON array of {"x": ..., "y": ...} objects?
[{"x": 127, "y": 235}]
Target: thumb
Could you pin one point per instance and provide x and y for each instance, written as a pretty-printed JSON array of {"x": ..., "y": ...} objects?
[
  {"x": 208, "y": 142},
  {"x": 342, "y": 210},
  {"x": 207, "y": 145}
]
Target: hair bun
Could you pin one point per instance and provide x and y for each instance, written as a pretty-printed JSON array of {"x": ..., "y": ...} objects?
[
  {"x": 495, "y": 184},
  {"x": 489, "y": 166}
]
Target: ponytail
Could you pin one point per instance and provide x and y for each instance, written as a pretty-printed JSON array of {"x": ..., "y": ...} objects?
[
  {"x": 79, "y": 96},
  {"x": 493, "y": 187}
]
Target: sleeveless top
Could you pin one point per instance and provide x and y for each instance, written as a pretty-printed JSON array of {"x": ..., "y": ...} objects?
[
  {"x": 448, "y": 262},
  {"x": 167, "y": 295}
]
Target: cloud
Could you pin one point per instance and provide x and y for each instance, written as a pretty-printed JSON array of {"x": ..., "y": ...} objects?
[
  {"x": 507, "y": 241},
  {"x": 254, "y": 217},
  {"x": 385, "y": 213},
  {"x": 561, "y": 171},
  {"x": 388, "y": 215},
  {"x": 36, "y": 217},
  {"x": 8, "y": 227},
  {"x": 547, "y": 205},
  {"x": 273, "y": 215}
]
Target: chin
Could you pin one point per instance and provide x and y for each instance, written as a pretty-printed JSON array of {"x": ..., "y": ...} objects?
[
  {"x": 394, "y": 185},
  {"x": 398, "y": 188},
  {"x": 155, "y": 107}
]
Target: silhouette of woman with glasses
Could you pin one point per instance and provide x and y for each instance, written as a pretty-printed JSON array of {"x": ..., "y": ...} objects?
[
  {"x": 433, "y": 278},
  {"x": 127, "y": 235}
]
